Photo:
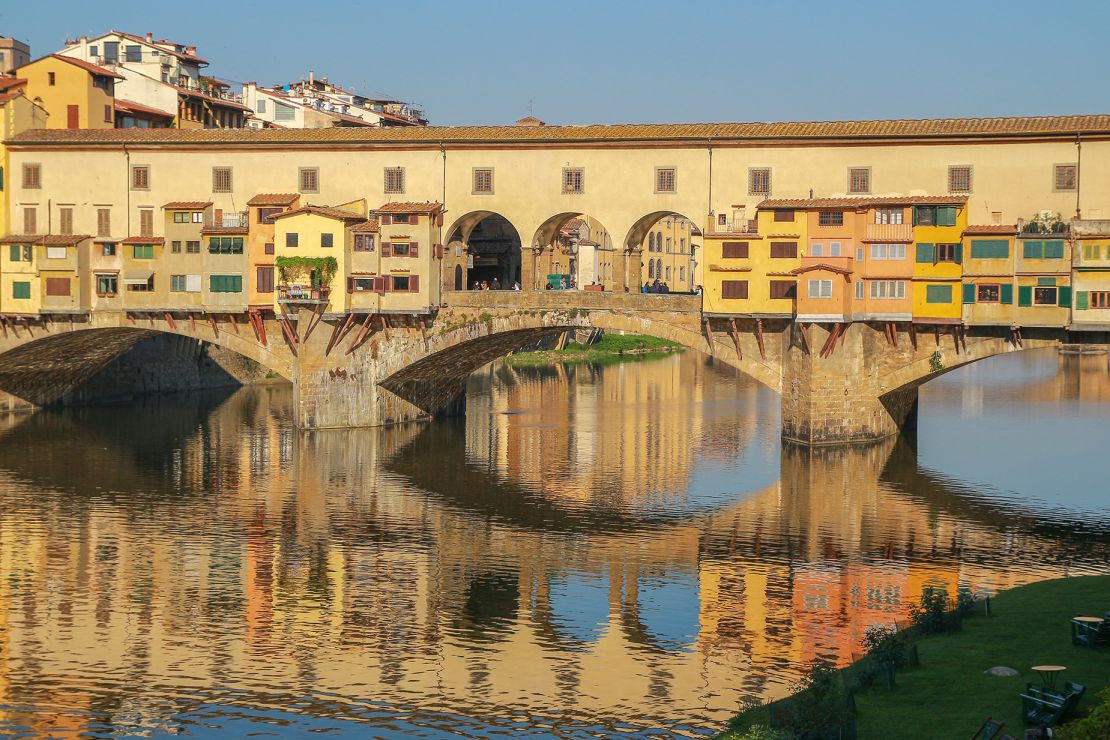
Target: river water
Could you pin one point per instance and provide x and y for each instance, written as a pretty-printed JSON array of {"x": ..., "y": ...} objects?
[{"x": 592, "y": 552}]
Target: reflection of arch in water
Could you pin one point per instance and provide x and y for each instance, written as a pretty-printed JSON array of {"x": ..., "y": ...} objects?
[
  {"x": 665, "y": 610},
  {"x": 578, "y": 607}
]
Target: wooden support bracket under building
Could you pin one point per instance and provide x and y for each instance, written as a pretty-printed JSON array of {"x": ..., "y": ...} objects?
[
  {"x": 234, "y": 322},
  {"x": 339, "y": 332},
  {"x": 936, "y": 334},
  {"x": 363, "y": 333},
  {"x": 27, "y": 326},
  {"x": 4, "y": 326},
  {"x": 759, "y": 338},
  {"x": 257, "y": 323},
  {"x": 736, "y": 339},
  {"x": 212, "y": 321},
  {"x": 893, "y": 334},
  {"x": 913, "y": 336},
  {"x": 15, "y": 327},
  {"x": 830, "y": 344},
  {"x": 192, "y": 321},
  {"x": 963, "y": 337},
  {"x": 709, "y": 336},
  {"x": 290, "y": 334},
  {"x": 169, "y": 320},
  {"x": 385, "y": 324},
  {"x": 956, "y": 339},
  {"x": 805, "y": 337}
]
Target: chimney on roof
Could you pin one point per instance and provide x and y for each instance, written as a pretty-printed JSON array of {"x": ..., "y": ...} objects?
[
  {"x": 191, "y": 50},
  {"x": 311, "y": 76},
  {"x": 149, "y": 37}
]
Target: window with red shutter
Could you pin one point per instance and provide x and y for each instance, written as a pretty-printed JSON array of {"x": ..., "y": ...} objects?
[
  {"x": 386, "y": 219},
  {"x": 379, "y": 284},
  {"x": 350, "y": 285},
  {"x": 414, "y": 284},
  {"x": 58, "y": 286},
  {"x": 387, "y": 249},
  {"x": 412, "y": 249}
]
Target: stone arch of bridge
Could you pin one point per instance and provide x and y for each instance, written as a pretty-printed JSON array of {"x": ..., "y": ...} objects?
[
  {"x": 641, "y": 258},
  {"x": 43, "y": 366},
  {"x": 578, "y": 244},
  {"x": 481, "y": 246},
  {"x": 432, "y": 376}
]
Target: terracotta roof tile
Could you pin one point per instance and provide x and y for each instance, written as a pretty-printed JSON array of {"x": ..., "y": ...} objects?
[
  {"x": 190, "y": 205},
  {"x": 144, "y": 240},
  {"x": 224, "y": 230},
  {"x": 273, "y": 199},
  {"x": 909, "y": 200},
  {"x": 369, "y": 226},
  {"x": 1060, "y": 126},
  {"x": 210, "y": 99},
  {"x": 328, "y": 211},
  {"x": 96, "y": 69},
  {"x": 1002, "y": 229},
  {"x": 10, "y": 82},
  {"x": 426, "y": 207},
  {"x": 47, "y": 240},
  {"x": 130, "y": 106}
]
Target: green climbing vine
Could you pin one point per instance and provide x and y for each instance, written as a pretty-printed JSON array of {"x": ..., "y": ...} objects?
[
  {"x": 321, "y": 270},
  {"x": 935, "y": 362}
]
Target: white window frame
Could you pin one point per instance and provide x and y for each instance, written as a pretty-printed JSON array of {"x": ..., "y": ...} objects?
[{"x": 820, "y": 288}]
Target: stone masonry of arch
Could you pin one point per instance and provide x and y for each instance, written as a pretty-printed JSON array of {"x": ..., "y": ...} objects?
[{"x": 838, "y": 383}]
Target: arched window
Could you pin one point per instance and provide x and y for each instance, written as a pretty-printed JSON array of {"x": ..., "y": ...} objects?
[
  {"x": 651, "y": 242},
  {"x": 651, "y": 268},
  {"x": 682, "y": 273},
  {"x": 668, "y": 273}
]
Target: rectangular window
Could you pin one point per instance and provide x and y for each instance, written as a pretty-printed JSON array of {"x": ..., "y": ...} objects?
[
  {"x": 362, "y": 285},
  {"x": 938, "y": 293},
  {"x": 889, "y": 215},
  {"x": 269, "y": 248},
  {"x": 988, "y": 293},
  {"x": 65, "y": 220},
  {"x": 177, "y": 283},
  {"x": 327, "y": 240},
  {"x": 1036, "y": 249},
  {"x": 182, "y": 217},
  {"x": 483, "y": 180},
  {"x": 221, "y": 180},
  {"x": 734, "y": 289},
  {"x": 21, "y": 290},
  {"x": 759, "y": 181},
  {"x": 192, "y": 247},
  {"x": 888, "y": 251},
  {"x": 399, "y": 249},
  {"x": 58, "y": 286},
  {"x": 664, "y": 179},
  {"x": 108, "y": 249},
  {"x": 1092, "y": 251},
  {"x": 132, "y": 53},
  {"x": 51, "y": 78},
  {"x": 266, "y": 215},
  {"x": 830, "y": 218},
  {"x": 784, "y": 250},
  {"x": 111, "y": 52},
  {"x": 888, "y": 289},
  {"x": 107, "y": 285},
  {"x": 30, "y": 220},
  {"x": 264, "y": 279},
  {"x": 573, "y": 180},
  {"x": 394, "y": 180},
  {"x": 783, "y": 289},
  {"x": 309, "y": 179},
  {"x": 1044, "y": 296},
  {"x": 192, "y": 283},
  {"x": 109, "y": 114},
  {"x": 835, "y": 249},
  {"x": 146, "y": 222},
  {"x": 1100, "y": 299},
  {"x": 291, "y": 240},
  {"x": 734, "y": 250},
  {"x": 140, "y": 177},
  {"x": 947, "y": 253},
  {"x": 175, "y": 247},
  {"x": 55, "y": 253},
  {"x": 401, "y": 283},
  {"x": 225, "y": 245},
  {"x": 859, "y": 290},
  {"x": 859, "y": 180},
  {"x": 402, "y": 218},
  {"x": 32, "y": 176},
  {"x": 820, "y": 288},
  {"x": 283, "y": 112},
  {"x": 103, "y": 221},
  {"x": 985, "y": 249},
  {"x": 816, "y": 249},
  {"x": 364, "y": 242},
  {"x": 261, "y": 105},
  {"x": 142, "y": 251},
  {"x": 1065, "y": 177},
  {"x": 934, "y": 215},
  {"x": 225, "y": 283},
  {"x": 784, "y": 214},
  {"x": 959, "y": 178}
]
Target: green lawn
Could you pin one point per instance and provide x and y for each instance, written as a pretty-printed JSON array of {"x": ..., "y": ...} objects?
[
  {"x": 610, "y": 348},
  {"x": 949, "y": 696}
]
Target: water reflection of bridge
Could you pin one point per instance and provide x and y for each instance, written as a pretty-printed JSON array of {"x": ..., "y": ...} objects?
[{"x": 445, "y": 565}]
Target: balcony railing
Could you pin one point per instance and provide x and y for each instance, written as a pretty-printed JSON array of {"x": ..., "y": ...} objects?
[
  {"x": 890, "y": 232},
  {"x": 293, "y": 293},
  {"x": 735, "y": 226},
  {"x": 228, "y": 220}
]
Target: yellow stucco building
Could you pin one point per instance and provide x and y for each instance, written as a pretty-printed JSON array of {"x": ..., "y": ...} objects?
[
  {"x": 76, "y": 94},
  {"x": 938, "y": 229}
]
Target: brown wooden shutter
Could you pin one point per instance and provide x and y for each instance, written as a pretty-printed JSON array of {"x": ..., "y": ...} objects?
[
  {"x": 30, "y": 220},
  {"x": 414, "y": 249},
  {"x": 65, "y": 218},
  {"x": 57, "y": 286},
  {"x": 103, "y": 222},
  {"x": 387, "y": 249},
  {"x": 387, "y": 219},
  {"x": 379, "y": 284},
  {"x": 439, "y": 251},
  {"x": 350, "y": 285},
  {"x": 414, "y": 284}
]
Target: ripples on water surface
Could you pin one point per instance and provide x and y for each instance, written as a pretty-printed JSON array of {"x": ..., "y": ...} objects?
[{"x": 592, "y": 552}]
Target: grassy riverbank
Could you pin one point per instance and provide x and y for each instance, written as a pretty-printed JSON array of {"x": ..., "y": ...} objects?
[
  {"x": 949, "y": 695},
  {"x": 610, "y": 348}
]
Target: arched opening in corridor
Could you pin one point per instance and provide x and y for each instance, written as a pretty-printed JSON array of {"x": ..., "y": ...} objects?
[
  {"x": 669, "y": 248},
  {"x": 483, "y": 251},
  {"x": 574, "y": 250}
]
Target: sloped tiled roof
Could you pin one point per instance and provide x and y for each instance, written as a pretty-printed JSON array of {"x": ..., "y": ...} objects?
[
  {"x": 95, "y": 69},
  {"x": 1030, "y": 126},
  {"x": 908, "y": 200},
  {"x": 822, "y": 266},
  {"x": 182, "y": 205},
  {"x": 426, "y": 207},
  {"x": 1001, "y": 229},
  {"x": 9, "y": 82},
  {"x": 273, "y": 199},
  {"x": 130, "y": 106},
  {"x": 46, "y": 240},
  {"x": 369, "y": 226},
  {"x": 145, "y": 240},
  {"x": 327, "y": 211}
]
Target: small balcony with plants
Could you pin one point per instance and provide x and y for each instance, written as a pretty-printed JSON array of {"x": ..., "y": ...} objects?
[{"x": 305, "y": 279}]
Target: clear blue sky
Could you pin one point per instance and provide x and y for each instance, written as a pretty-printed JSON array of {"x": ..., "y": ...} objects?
[{"x": 613, "y": 62}]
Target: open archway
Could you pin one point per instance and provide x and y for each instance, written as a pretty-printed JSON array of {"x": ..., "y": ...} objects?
[
  {"x": 664, "y": 252},
  {"x": 483, "y": 250},
  {"x": 573, "y": 250}
]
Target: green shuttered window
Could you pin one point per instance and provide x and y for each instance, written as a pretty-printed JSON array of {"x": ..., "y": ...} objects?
[
  {"x": 1025, "y": 295},
  {"x": 1082, "y": 301},
  {"x": 226, "y": 283},
  {"x": 1007, "y": 294},
  {"x": 14, "y": 252},
  {"x": 1065, "y": 296},
  {"x": 988, "y": 249},
  {"x": 142, "y": 251},
  {"x": 1053, "y": 249},
  {"x": 938, "y": 294},
  {"x": 925, "y": 253},
  {"x": 969, "y": 293},
  {"x": 21, "y": 290},
  {"x": 225, "y": 245}
]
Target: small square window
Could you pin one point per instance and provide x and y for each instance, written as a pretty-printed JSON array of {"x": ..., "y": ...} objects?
[
  {"x": 759, "y": 181},
  {"x": 1065, "y": 178},
  {"x": 395, "y": 180},
  {"x": 665, "y": 179},
  {"x": 221, "y": 179},
  {"x": 327, "y": 240},
  {"x": 859, "y": 180},
  {"x": 959, "y": 178},
  {"x": 483, "y": 180},
  {"x": 291, "y": 239},
  {"x": 573, "y": 180},
  {"x": 32, "y": 176},
  {"x": 309, "y": 179},
  {"x": 830, "y": 218}
]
